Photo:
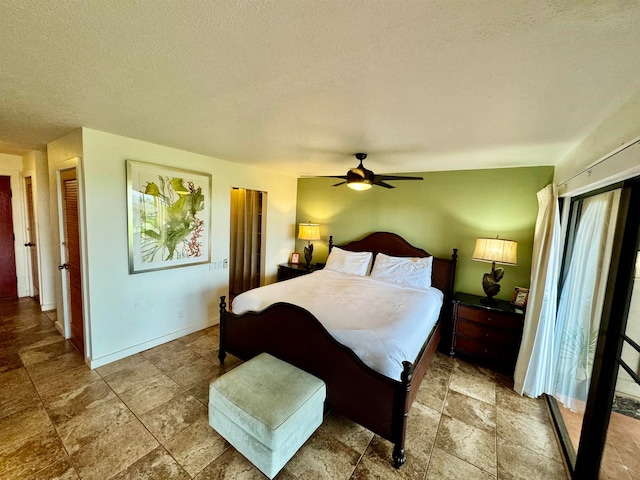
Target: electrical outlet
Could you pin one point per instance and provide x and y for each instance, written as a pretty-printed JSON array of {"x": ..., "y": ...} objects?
[{"x": 180, "y": 314}]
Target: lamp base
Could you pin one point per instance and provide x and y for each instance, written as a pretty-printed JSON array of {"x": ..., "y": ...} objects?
[
  {"x": 308, "y": 255},
  {"x": 489, "y": 301}
]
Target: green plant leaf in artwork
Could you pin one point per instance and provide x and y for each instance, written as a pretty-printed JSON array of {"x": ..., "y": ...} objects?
[{"x": 170, "y": 226}]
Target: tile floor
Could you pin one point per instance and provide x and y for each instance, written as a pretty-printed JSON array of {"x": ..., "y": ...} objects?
[
  {"x": 621, "y": 457},
  {"x": 145, "y": 417}
]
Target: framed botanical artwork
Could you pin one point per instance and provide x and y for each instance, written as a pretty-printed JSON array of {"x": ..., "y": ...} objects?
[
  {"x": 169, "y": 217},
  {"x": 520, "y": 297},
  {"x": 295, "y": 258}
]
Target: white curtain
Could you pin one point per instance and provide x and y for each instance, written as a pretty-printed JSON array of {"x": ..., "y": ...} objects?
[
  {"x": 580, "y": 307},
  {"x": 534, "y": 373}
]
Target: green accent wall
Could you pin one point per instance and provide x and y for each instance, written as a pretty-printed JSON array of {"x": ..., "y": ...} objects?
[{"x": 447, "y": 210}]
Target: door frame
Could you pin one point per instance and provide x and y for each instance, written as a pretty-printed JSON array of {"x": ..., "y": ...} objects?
[
  {"x": 18, "y": 213},
  {"x": 63, "y": 324},
  {"x": 35, "y": 234}
]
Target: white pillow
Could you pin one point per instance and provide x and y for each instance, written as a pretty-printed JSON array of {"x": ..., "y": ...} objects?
[
  {"x": 351, "y": 263},
  {"x": 412, "y": 271}
]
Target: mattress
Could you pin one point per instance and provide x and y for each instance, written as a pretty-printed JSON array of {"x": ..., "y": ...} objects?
[{"x": 384, "y": 323}]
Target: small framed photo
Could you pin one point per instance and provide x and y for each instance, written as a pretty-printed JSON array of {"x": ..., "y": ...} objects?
[
  {"x": 520, "y": 297},
  {"x": 295, "y": 258}
]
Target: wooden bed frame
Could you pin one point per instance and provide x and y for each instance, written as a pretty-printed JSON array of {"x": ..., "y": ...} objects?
[{"x": 356, "y": 391}]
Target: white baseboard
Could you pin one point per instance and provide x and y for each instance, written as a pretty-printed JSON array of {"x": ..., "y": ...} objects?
[{"x": 141, "y": 347}]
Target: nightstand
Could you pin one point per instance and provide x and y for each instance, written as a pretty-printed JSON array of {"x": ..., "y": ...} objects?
[
  {"x": 292, "y": 270},
  {"x": 489, "y": 335}
]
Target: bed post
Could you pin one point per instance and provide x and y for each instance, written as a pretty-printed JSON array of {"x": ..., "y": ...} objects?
[
  {"x": 330, "y": 243},
  {"x": 398, "y": 449},
  {"x": 223, "y": 310}
]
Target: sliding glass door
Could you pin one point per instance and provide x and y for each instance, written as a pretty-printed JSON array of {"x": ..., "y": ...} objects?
[{"x": 593, "y": 336}]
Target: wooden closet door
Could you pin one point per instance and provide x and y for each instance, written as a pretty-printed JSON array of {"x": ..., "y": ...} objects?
[
  {"x": 71, "y": 266},
  {"x": 8, "y": 279}
]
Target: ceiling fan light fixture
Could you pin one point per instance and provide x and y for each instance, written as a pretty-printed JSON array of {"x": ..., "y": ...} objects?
[{"x": 359, "y": 185}]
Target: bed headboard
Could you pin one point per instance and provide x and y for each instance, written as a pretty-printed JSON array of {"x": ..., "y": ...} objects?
[{"x": 444, "y": 269}]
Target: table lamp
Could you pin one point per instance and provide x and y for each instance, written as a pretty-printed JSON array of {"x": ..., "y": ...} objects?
[
  {"x": 309, "y": 231},
  {"x": 494, "y": 250}
]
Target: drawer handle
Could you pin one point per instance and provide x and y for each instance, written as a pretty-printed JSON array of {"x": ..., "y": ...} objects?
[
  {"x": 486, "y": 334},
  {"x": 489, "y": 319},
  {"x": 486, "y": 351}
]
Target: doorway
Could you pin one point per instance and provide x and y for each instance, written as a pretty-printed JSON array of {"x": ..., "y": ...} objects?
[
  {"x": 246, "y": 256},
  {"x": 31, "y": 238},
  {"x": 8, "y": 277},
  {"x": 71, "y": 267},
  {"x": 598, "y": 431}
]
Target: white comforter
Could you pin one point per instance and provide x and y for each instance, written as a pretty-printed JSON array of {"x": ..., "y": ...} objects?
[{"x": 384, "y": 323}]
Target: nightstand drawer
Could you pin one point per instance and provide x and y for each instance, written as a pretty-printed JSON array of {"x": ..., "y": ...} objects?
[
  {"x": 488, "y": 351},
  {"x": 494, "y": 319},
  {"x": 479, "y": 332}
]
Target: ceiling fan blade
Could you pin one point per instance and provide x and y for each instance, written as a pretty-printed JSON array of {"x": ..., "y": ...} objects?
[
  {"x": 396, "y": 177},
  {"x": 341, "y": 183},
  {"x": 343, "y": 177},
  {"x": 383, "y": 184}
]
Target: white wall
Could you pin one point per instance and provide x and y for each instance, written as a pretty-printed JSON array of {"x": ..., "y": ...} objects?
[
  {"x": 12, "y": 166},
  {"x": 618, "y": 130},
  {"x": 130, "y": 313},
  {"x": 35, "y": 166},
  {"x": 63, "y": 153}
]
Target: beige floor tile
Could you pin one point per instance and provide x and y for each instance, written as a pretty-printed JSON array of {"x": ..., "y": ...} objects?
[
  {"x": 173, "y": 416},
  {"x": 347, "y": 431},
  {"x": 434, "y": 386},
  {"x": 471, "y": 444},
  {"x": 17, "y": 392},
  {"x": 323, "y": 457},
  {"x": 46, "y": 352},
  {"x": 471, "y": 411},
  {"x": 93, "y": 422},
  {"x": 65, "y": 383},
  {"x": 10, "y": 361},
  {"x": 528, "y": 433},
  {"x": 202, "y": 370},
  {"x": 62, "y": 470},
  {"x": 231, "y": 465},
  {"x": 205, "y": 345},
  {"x": 518, "y": 462},
  {"x": 475, "y": 386},
  {"x": 377, "y": 463},
  {"x": 196, "y": 446},
  {"x": 155, "y": 465},
  {"x": 130, "y": 377},
  {"x": 30, "y": 455},
  {"x": 444, "y": 466},
  {"x": 150, "y": 393},
  {"x": 23, "y": 424},
  {"x": 42, "y": 371},
  {"x": 113, "y": 452},
  {"x": 128, "y": 362},
  {"x": 508, "y": 400}
]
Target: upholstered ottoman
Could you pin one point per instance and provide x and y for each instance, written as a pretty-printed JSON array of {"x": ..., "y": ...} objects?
[{"x": 266, "y": 409}]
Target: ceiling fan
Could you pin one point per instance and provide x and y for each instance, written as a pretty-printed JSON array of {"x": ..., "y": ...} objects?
[{"x": 360, "y": 178}]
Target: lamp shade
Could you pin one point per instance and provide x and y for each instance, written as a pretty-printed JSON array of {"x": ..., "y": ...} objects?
[
  {"x": 496, "y": 250},
  {"x": 309, "y": 231}
]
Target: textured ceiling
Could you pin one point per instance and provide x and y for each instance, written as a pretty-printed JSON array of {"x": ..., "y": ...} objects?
[{"x": 299, "y": 86}]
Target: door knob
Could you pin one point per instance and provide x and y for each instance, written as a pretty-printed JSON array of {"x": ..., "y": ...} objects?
[
  {"x": 29, "y": 244},
  {"x": 64, "y": 266}
]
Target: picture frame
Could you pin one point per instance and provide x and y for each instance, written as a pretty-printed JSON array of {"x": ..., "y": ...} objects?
[
  {"x": 520, "y": 297},
  {"x": 168, "y": 217},
  {"x": 295, "y": 258}
]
